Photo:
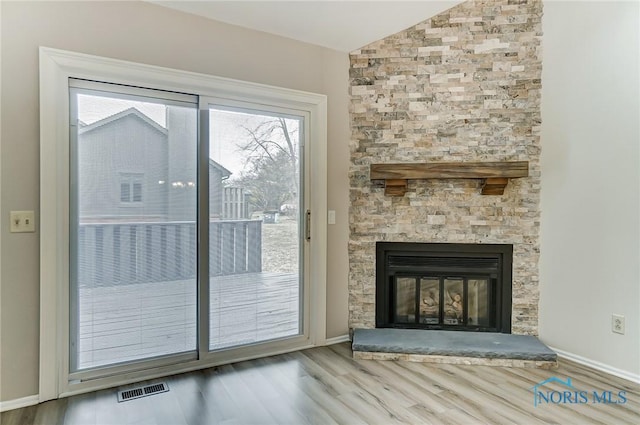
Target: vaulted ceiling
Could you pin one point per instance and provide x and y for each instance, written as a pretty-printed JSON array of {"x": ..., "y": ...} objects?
[{"x": 338, "y": 25}]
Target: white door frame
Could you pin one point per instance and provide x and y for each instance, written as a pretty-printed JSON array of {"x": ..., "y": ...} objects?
[{"x": 56, "y": 67}]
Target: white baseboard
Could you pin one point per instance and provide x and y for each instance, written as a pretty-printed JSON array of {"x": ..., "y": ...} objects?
[
  {"x": 599, "y": 366},
  {"x": 19, "y": 403},
  {"x": 337, "y": 340}
]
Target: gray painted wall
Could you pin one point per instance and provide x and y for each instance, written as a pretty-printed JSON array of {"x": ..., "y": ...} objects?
[{"x": 590, "y": 229}]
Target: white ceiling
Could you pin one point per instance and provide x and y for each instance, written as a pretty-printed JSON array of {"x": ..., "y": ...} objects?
[{"x": 338, "y": 25}]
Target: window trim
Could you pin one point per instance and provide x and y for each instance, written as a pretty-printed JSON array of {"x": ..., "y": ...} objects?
[{"x": 56, "y": 67}]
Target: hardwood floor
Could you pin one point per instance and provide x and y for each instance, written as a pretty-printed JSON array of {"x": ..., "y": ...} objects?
[{"x": 326, "y": 386}]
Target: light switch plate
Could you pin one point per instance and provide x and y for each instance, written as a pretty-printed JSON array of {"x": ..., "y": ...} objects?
[
  {"x": 22, "y": 221},
  {"x": 331, "y": 217}
]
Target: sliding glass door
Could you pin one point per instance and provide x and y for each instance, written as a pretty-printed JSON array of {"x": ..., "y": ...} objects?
[
  {"x": 255, "y": 235},
  {"x": 187, "y": 236},
  {"x": 133, "y": 225}
]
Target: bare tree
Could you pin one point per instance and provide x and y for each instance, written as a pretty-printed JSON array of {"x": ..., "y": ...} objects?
[{"x": 272, "y": 156}]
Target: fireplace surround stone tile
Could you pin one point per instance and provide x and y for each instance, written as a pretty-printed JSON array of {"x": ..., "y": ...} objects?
[{"x": 462, "y": 86}]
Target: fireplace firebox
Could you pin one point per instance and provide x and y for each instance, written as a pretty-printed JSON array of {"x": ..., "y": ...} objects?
[{"x": 464, "y": 287}]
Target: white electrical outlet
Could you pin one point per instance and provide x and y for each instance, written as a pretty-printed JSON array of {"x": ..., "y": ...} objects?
[
  {"x": 617, "y": 323},
  {"x": 22, "y": 221}
]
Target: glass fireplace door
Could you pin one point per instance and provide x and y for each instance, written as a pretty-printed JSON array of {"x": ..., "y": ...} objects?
[{"x": 445, "y": 302}]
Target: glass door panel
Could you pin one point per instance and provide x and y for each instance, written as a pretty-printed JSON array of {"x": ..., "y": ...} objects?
[
  {"x": 430, "y": 300},
  {"x": 479, "y": 305},
  {"x": 132, "y": 228},
  {"x": 405, "y": 296},
  {"x": 255, "y": 227},
  {"x": 453, "y": 304}
]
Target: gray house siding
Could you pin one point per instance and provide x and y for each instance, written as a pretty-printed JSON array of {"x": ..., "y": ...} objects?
[
  {"x": 122, "y": 151},
  {"x": 217, "y": 175},
  {"x": 133, "y": 169},
  {"x": 181, "y": 153}
]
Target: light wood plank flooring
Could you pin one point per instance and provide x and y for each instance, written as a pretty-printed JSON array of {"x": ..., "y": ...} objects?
[{"x": 326, "y": 386}]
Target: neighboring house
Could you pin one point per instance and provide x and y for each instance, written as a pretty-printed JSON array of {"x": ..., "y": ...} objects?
[{"x": 134, "y": 169}]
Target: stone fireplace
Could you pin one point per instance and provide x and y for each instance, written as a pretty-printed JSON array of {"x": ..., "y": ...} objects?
[{"x": 461, "y": 87}]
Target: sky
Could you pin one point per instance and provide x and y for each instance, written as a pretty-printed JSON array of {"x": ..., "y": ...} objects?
[{"x": 95, "y": 108}]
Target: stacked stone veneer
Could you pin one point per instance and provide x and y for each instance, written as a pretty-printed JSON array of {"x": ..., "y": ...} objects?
[{"x": 461, "y": 86}]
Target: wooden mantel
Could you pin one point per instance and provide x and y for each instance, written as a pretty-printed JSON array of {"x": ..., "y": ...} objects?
[{"x": 496, "y": 175}]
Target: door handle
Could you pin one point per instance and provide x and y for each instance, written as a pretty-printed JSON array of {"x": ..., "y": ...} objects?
[{"x": 307, "y": 226}]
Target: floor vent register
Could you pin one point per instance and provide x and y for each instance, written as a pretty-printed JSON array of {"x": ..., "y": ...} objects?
[{"x": 133, "y": 393}]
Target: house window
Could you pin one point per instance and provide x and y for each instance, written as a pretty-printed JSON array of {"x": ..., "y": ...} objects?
[{"x": 130, "y": 188}]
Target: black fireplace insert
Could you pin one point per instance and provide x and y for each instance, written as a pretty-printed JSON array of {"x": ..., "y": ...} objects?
[{"x": 464, "y": 287}]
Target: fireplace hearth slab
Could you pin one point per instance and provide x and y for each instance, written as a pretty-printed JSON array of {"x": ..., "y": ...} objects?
[{"x": 491, "y": 349}]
